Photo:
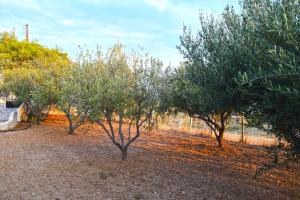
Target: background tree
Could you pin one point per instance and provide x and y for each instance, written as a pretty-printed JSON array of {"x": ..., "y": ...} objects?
[
  {"x": 204, "y": 86},
  {"x": 15, "y": 53},
  {"x": 31, "y": 72},
  {"x": 32, "y": 85}
]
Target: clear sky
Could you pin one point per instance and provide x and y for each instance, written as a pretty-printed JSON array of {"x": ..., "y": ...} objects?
[{"x": 153, "y": 24}]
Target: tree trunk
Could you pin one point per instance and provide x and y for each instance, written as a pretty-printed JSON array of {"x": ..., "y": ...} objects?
[
  {"x": 71, "y": 130},
  {"x": 217, "y": 126},
  {"x": 38, "y": 118},
  {"x": 129, "y": 129},
  {"x": 220, "y": 142},
  {"x": 220, "y": 138},
  {"x": 124, "y": 154}
]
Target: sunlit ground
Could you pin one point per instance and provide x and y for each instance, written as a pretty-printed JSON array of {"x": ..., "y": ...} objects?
[{"x": 43, "y": 162}]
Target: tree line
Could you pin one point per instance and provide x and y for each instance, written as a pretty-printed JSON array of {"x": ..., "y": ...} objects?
[{"x": 242, "y": 62}]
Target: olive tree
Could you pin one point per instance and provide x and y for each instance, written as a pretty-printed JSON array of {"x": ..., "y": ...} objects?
[
  {"x": 69, "y": 96},
  {"x": 125, "y": 90},
  {"x": 73, "y": 90},
  {"x": 271, "y": 83},
  {"x": 204, "y": 86},
  {"x": 35, "y": 82},
  {"x": 34, "y": 86}
]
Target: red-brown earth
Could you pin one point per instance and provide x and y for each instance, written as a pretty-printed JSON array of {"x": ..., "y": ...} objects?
[{"x": 43, "y": 162}]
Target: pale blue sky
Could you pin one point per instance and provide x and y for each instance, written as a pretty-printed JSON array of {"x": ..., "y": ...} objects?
[{"x": 153, "y": 24}]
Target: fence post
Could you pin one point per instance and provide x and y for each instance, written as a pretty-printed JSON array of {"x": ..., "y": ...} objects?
[
  {"x": 191, "y": 124},
  {"x": 243, "y": 130},
  {"x": 180, "y": 123}
]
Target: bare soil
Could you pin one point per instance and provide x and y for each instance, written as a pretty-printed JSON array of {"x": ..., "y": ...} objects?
[{"x": 43, "y": 162}]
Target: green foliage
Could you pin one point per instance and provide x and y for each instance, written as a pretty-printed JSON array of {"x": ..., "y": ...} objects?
[
  {"x": 126, "y": 88},
  {"x": 31, "y": 72},
  {"x": 123, "y": 84},
  {"x": 34, "y": 86},
  {"x": 270, "y": 86},
  {"x": 247, "y": 63},
  {"x": 15, "y": 53},
  {"x": 204, "y": 86},
  {"x": 75, "y": 90}
]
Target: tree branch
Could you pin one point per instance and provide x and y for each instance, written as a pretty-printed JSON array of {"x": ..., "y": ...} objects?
[
  {"x": 113, "y": 138},
  {"x": 104, "y": 128},
  {"x": 136, "y": 135}
]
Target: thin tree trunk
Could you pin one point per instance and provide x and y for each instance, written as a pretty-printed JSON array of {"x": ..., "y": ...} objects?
[
  {"x": 122, "y": 145},
  {"x": 120, "y": 131},
  {"x": 69, "y": 117},
  {"x": 38, "y": 118},
  {"x": 217, "y": 127},
  {"x": 124, "y": 154},
  {"x": 71, "y": 130},
  {"x": 129, "y": 129}
]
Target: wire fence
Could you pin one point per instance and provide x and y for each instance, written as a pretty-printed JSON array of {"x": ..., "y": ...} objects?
[{"x": 237, "y": 130}]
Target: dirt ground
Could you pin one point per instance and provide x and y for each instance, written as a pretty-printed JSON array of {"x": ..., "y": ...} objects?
[{"x": 43, "y": 162}]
